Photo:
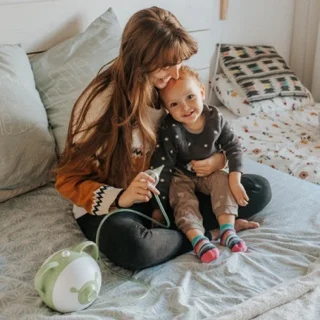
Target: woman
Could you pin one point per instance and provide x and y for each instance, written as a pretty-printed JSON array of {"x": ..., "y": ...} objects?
[{"x": 112, "y": 136}]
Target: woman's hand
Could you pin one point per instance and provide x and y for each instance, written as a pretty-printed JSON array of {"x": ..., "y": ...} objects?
[
  {"x": 207, "y": 166},
  {"x": 139, "y": 190}
]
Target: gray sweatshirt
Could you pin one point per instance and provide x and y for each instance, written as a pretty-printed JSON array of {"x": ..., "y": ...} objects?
[{"x": 177, "y": 146}]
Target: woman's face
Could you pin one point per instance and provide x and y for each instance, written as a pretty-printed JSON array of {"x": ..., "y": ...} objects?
[{"x": 160, "y": 77}]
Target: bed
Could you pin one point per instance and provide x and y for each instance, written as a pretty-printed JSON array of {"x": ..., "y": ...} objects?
[
  {"x": 277, "y": 125},
  {"x": 278, "y": 278},
  {"x": 286, "y": 140}
]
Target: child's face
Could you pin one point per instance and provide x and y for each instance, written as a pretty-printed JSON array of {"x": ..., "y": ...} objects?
[{"x": 183, "y": 98}]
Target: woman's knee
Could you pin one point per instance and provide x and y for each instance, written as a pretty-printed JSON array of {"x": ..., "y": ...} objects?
[
  {"x": 258, "y": 189},
  {"x": 129, "y": 244},
  {"x": 121, "y": 239}
]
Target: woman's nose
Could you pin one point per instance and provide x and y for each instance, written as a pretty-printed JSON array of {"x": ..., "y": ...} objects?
[{"x": 174, "y": 71}]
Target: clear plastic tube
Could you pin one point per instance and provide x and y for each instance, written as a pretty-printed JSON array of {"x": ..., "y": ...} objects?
[{"x": 155, "y": 173}]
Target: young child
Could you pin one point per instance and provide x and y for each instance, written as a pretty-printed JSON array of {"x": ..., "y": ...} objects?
[{"x": 194, "y": 131}]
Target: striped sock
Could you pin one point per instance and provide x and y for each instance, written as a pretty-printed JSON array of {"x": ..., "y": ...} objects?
[
  {"x": 229, "y": 238},
  {"x": 204, "y": 249}
]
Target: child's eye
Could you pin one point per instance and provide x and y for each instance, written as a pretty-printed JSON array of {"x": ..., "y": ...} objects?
[
  {"x": 173, "y": 104},
  {"x": 190, "y": 96}
]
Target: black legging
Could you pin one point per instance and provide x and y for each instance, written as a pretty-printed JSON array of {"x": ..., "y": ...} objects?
[{"x": 127, "y": 240}]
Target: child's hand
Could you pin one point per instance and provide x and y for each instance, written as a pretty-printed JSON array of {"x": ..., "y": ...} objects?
[
  {"x": 207, "y": 166},
  {"x": 239, "y": 194},
  {"x": 158, "y": 216}
]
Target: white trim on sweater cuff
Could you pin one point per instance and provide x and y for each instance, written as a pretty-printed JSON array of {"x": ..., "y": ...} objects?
[{"x": 104, "y": 197}]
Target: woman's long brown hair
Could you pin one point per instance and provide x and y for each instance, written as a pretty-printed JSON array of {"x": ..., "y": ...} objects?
[{"x": 152, "y": 39}]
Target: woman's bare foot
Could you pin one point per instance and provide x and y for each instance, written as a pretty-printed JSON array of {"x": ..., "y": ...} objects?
[{"x": 240, "y": 224}]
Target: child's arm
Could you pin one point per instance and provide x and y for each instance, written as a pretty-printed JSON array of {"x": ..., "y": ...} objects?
[
  {"x": 205, "y": 167},
  {"x": 237, "y": 188},
  {"x": 231, "y": 145}
]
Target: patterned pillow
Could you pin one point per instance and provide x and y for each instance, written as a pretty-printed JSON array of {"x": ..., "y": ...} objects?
[
  {"x": 240, "y": 106},
  {"x": 259, "y": 72}
]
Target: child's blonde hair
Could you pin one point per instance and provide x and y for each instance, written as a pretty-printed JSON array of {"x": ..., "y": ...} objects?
[
  {"x": 185, "y": 72},
  {"x": 188, "y": 72}
]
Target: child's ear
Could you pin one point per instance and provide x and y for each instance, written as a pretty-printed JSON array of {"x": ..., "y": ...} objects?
[{"x": 203, "y": 92}]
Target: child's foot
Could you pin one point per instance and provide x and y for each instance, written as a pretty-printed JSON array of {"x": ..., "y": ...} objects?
[
  {"x": 204, "y": 249},
  {"x": 240, "y": 224},
  {"x": 229, "y": 238}
]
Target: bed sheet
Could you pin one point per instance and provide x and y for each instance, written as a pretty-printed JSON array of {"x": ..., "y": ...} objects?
[
  {"x": 286, "y": 140},
  {"x": 273, "y": 275}
]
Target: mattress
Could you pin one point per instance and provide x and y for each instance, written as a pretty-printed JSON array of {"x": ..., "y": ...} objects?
[
  {"x": 227, "y": 114},
  {"x": 286, "y": 140},
  {"x": 278, "y": 278}
]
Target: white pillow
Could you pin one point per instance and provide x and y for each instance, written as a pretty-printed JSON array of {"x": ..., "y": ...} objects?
[{"x": 64, "y": 71}]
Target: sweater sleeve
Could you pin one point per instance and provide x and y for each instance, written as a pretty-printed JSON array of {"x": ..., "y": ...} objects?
[
  {"x": 96, "y": 198},
  {"x": 231, "y": 145}
]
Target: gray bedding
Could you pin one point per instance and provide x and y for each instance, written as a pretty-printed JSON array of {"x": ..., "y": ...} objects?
[{"x": 278, "y": 278}]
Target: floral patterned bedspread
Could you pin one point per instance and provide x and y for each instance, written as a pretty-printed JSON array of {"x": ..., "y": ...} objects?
[{"x": 286, "y": 140}]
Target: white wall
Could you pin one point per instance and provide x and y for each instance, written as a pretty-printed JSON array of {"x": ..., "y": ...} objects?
[
  {"x": 39, "y": 25},
  {"x": 305, "y": 34},
  {"x": 255, "y": 22}
]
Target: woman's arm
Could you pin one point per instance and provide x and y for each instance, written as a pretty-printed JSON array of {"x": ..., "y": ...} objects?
[
  {"x": 96, "y": 198},
  {"x": 217, "y": 161}
]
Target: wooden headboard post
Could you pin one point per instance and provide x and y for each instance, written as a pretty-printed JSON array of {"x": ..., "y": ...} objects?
[{"x": 224, "y": 4}]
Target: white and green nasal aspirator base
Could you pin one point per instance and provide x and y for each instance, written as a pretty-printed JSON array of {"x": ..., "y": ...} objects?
[{"x": 70, "y": 279}]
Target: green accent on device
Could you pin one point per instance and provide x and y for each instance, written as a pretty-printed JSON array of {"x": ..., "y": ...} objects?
[
  {"x": 88, "y": 291},
  {"x": 70, "y": 279}
]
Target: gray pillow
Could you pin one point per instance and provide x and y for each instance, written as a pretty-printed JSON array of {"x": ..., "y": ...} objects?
[
  {"x": 27, "y": 148},
  {"x": 63, "y": 72}
]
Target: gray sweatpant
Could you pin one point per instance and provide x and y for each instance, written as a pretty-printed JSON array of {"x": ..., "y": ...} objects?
[{"x": 185, "y": 204}]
